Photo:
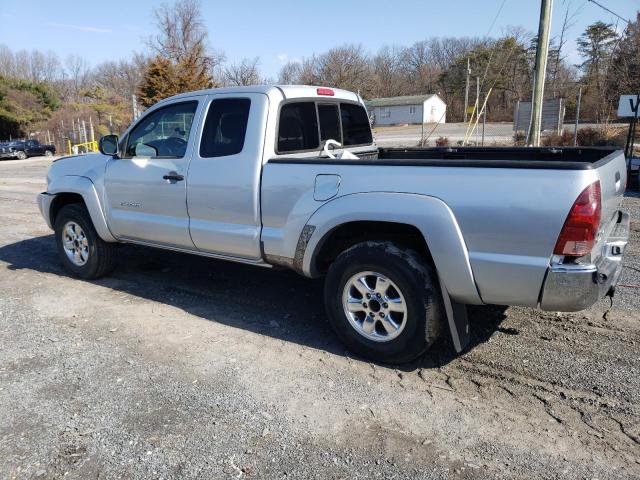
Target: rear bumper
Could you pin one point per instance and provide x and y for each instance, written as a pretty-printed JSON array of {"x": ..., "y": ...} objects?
[
  {"x": 570, "y": 288},
  {"x": 44, "y": 204}
]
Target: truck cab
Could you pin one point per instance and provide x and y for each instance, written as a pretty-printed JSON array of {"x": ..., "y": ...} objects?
[{"x": 200, "y": 150}]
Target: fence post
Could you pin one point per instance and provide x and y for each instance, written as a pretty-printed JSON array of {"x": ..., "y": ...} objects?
[
  {"x": 484, "y": 123},
  {"x": 516, "y": 124},
  {"x": 575, "y": 128},
  {"x": 477, "y": 104}
]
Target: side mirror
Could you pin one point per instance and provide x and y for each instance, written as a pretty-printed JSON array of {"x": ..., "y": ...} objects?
[{"x": 108, "y": 145}]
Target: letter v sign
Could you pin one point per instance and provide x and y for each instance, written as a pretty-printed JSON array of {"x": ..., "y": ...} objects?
[{"x": 629, "y": 106}]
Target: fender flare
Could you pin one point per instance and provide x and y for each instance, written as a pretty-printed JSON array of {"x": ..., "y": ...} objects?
[
  {"x": 430, "y": 215},
  {"x": 84, "y": 187}
]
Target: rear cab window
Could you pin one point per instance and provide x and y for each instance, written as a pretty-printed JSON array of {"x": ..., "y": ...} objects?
[
  {"x": 329, "y": 117},
  {"x": 356, "y": 129},
  {"x": 306, "y": 124},
  {"x": 298, "y": 127},
  {"x": 225, "y": 128}
]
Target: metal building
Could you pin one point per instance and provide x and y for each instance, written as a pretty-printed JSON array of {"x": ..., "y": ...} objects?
[{"x": 408, "y": 109}]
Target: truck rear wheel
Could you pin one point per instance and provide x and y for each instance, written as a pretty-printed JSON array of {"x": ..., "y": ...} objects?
[
  {"x": 383, "y": 302},
  {"x": 48, "y": 153},
  {"x": 82, "y": 252}
]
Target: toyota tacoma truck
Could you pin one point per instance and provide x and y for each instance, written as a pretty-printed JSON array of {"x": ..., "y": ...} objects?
[{"x": 290, "y": 176}]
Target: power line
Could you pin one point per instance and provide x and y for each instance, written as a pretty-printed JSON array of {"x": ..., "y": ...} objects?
[
  {"x": 496, "y": 17},
  {"x": 610, "y": 11}
]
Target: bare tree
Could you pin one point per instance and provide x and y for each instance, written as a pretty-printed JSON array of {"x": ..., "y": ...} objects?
[
  {"x": 557, "y": 53},
  {"x": 390, "y": 72},
  {"x": 244, "y": 73},
  {"x": 290, "y": 73},
  {"x": 7, "y": 62},
  {"x": 345, "y": 67},
  {"x": 121, "y": 78},
  {"x": 182, "y": 35},
  {"x": 77, "y": 70},
  {"x": 22, "y": 62}
]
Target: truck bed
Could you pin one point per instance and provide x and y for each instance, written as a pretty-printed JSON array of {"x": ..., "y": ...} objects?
[{"x": 566, "y": 158}]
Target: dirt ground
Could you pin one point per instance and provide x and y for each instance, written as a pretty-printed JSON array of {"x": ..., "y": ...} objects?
[{"x": 184, "y": 367}]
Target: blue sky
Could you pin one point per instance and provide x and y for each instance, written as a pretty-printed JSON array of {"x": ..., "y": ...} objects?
[{"x": 278, "y": 30}]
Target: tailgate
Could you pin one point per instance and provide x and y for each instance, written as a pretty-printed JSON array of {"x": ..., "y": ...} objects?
[{"x": 612, "y": 173}]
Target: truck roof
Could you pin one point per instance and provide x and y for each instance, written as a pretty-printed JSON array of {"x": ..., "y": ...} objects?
[{"x": 286, "y": 91}]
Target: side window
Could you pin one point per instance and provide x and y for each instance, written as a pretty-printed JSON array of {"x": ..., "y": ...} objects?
[
  {"x": 329, "y": 122},
  {"x": 163, "y": 133},
  {"x": 298, "y": 127},
  {"x": 355, "y": 125},
  {"x": 225, "y": 127}
]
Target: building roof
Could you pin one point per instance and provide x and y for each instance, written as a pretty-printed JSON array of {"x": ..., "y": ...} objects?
[{"x": 394, "y": 101}]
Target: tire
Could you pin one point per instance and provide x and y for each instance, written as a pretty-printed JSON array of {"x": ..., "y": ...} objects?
[
  {"x": 21, "y": 155},
  {"x": 48, "y": 153},
  {"x": 95, "y": 258},
  {"x": 397, "y": 274}
]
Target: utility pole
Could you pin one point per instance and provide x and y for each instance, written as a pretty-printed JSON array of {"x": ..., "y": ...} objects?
[
  {"x": 542, "y": 51},
  {"x": 466, "y": 92}
]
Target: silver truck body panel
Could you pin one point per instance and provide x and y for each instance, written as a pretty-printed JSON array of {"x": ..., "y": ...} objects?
[
  {"x": 223, "y": 193},
  {"x": 140, "y": 204},
  {"x": 84, "y": 175},
  {"x": 430, "y": 215},
  {"x": 509, "y": 218}
]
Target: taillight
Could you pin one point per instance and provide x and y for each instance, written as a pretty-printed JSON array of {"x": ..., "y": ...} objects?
[
  {"x": 578, "y": 235},
  {"x": 325, "y": 91}
]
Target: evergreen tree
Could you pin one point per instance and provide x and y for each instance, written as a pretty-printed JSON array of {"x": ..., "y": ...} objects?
[
  {"x": 623, "y": 77},
  {"x": 596, "y": 46},
  {"x": 159, "y": 82}
]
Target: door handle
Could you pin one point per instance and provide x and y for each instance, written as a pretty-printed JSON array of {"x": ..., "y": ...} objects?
[{"x": 173, "y": 177}]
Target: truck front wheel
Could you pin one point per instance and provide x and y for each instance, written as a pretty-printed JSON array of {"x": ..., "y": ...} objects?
[
  {"x": 383, "y": 302},
  {"x": 82, "y": 252},
  {"x": 21, "y": 155}
]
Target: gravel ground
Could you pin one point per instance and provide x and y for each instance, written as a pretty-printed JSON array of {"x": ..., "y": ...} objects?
[{"x": 178, "y": 366}]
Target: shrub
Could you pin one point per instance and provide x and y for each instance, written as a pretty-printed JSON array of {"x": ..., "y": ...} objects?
[
  {"x": 602, "y": 136},
  {"x": 442, "y": 142},
  {"x": 520, "y": 138},
  {"x": 565, "y": 139}
]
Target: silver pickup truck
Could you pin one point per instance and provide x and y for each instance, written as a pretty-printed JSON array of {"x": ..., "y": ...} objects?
[{"x": 290, "y": 176}]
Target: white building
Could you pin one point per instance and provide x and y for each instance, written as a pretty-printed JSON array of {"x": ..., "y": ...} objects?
[{"x": 408, "y": 109}]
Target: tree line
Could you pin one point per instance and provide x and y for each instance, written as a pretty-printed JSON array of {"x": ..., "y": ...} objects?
[{"x": 39, "y": 91}]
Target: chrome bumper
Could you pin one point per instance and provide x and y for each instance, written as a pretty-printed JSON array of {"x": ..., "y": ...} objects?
[
  {"x": 570, "y": 288},
  {"x": 44, "y": 204}
]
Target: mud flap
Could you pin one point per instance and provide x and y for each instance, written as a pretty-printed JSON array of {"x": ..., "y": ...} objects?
[{"x": 457, "y": 320}]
